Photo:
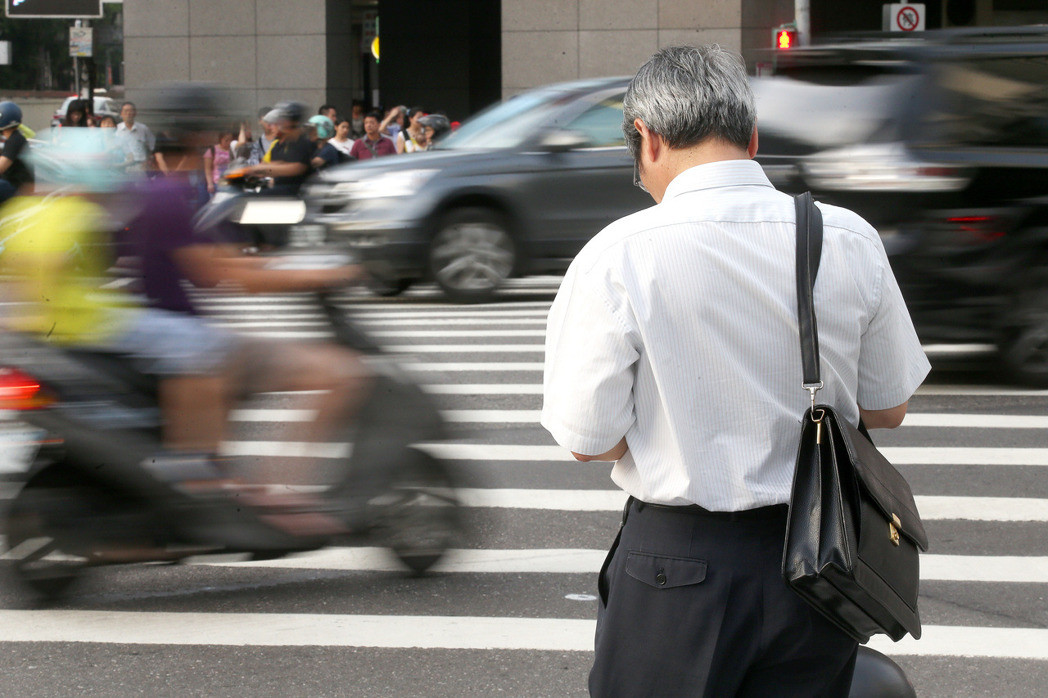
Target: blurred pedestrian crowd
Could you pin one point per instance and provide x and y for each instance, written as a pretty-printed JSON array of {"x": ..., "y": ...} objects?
[{"x": 283, "y": 147}]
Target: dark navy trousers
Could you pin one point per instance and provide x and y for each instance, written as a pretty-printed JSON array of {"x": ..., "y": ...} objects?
[{"x": 692, "y": 603}]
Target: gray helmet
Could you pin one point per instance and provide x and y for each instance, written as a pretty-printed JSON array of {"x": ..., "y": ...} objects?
[
  {"x": 291, "y": 111},
  {"x": 176, "y": 111}
]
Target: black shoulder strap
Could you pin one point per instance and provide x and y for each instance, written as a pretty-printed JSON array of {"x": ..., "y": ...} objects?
[{"x": 809, "y": 252}]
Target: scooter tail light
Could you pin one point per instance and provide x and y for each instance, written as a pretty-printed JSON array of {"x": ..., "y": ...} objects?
[{"x": 21, "y": 391}]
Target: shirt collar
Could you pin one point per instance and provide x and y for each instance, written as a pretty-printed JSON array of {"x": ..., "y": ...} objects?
[{"x": 712, "y": 175}]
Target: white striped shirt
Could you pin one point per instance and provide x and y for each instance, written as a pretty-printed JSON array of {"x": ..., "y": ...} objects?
[{"x": 677, "y": 327}]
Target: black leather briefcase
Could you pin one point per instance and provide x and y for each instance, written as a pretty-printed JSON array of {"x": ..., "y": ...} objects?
[{"x": 854, "y": 532}]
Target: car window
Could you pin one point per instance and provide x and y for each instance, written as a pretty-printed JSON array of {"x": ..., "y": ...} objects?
[
  {"x": 507, "y": 124},
  {"x": 601, "y": 123},
  {"x": 996, "y": 101}
]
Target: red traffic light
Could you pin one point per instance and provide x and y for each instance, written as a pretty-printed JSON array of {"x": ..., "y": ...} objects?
[{"x": 785, "y": 38}]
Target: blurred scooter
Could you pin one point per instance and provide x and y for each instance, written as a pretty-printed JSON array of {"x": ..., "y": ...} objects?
[
  {"x": 100, "y": 490},
  {"x": 245, "y": 208}
]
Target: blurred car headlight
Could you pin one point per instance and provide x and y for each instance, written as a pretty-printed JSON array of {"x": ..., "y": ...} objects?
[
  {"x": 383, "y": 186},
  {"x": 880, "y": 167}
]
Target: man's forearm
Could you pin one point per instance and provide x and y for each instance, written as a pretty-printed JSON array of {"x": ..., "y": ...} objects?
[{"x": 616, "y": 452}]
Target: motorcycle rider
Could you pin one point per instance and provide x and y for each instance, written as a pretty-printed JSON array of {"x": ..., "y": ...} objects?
[
  {"x": 288, "y": 162},
  {"x": 201, "y": 368},
  {"x": 13, "y": 169}
]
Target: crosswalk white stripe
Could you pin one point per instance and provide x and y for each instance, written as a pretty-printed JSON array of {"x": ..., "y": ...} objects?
[
  {"x": 975, "y": 421},
  {"x": 931, "y": 507},
  {"x": 980, "y": 390},
  {"x": 919, "y": 455},
  {"x": 967, "y": 641},
  {"x": 465, "y": 348},
  {"x": 950, "y": 568},
  {"x": 432, "y": 632},
  {"x": 518, "y": 416},
  {"x": 459, "y": 316},
  {"x": 297, "y": 319},
  {"x": 484, "y": 388},
  {"x": 296, "y": 630},
  {"x": 392, "y": 334},
  {"x": 470, "y": 416},
  {"x": 898, "y": 455},
  {"x": 488, "y": 366}
]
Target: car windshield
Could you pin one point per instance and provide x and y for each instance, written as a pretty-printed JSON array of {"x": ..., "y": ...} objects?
[{"x": 507, "y": 124}]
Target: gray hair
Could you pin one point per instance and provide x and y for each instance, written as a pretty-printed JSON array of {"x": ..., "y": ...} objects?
[{"x": 687, "y": 94}]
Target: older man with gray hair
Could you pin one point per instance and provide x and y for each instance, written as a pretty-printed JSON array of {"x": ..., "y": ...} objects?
[{"x": 673, "y": 349}]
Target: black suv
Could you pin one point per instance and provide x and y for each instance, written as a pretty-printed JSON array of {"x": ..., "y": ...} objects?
[{"x": 941, "y": 142}]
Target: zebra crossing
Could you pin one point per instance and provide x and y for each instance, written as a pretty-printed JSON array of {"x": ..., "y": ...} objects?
[{"x": 540, "y": 522}]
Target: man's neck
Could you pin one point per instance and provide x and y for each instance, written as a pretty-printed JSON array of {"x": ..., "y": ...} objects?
[
  {"x": 376, "y": 137},
  {"x": 129, "y": 125}
]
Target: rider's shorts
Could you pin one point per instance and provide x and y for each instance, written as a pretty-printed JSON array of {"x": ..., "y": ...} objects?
[{"x": 166, "y": 343}]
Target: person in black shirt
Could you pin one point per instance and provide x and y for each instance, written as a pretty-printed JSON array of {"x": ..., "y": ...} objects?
[
  {"x": 13, "y": 168},
  {"x": 289, "y": 160}
]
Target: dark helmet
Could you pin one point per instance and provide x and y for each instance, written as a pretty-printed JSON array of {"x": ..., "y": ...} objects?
[
  {"x": 10, "y": 115},
  {"x": 438, "y": 122},
  {"x": 291, "y": 111},
  {"x": 178, "y": 111}
]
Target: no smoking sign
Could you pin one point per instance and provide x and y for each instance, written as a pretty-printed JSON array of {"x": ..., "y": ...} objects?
[{"x": 903, "y": 17}]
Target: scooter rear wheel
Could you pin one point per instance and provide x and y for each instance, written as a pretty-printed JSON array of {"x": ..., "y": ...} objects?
[
  {"x": 418, "y": 518},
  {"x": 41, "y": 550}
]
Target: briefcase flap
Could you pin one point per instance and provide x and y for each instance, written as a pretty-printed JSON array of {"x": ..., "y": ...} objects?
[{"x": 887, "y": 487}]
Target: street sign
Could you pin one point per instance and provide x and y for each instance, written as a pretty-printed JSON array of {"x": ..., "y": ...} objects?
[
  {"x": 903, "y": 17},
  {"x": 80, "y": 42},
  {"x": 52, "y": 9}
]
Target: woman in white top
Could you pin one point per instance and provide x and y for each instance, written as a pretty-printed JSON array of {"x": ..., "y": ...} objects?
[
  {"x": 341, "y": 141},
  {"x": 413, "y": 138}
]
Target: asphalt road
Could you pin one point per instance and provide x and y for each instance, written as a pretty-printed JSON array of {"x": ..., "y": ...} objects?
[{"x": 511, "y": 611}]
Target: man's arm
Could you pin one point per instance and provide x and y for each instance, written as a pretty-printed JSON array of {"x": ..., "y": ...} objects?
[
  {"x": 884, "y": 419},
  {"x": 279, "y": 169},
  {"x": 618, "y": 451},
  {"x": 5, "y": 163}
]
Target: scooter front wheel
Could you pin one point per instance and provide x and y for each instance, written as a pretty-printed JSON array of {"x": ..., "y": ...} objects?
[{"x": 418, "y": 517}]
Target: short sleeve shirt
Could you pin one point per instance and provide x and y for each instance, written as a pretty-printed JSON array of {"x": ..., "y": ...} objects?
[
  {"x": 138, "y": 142},
  {"x": 676, "y": 327},
  {"x": 163, "y": 225},
  {"x": 299, "y": 150},
  {"x": 365, "y": 148}
]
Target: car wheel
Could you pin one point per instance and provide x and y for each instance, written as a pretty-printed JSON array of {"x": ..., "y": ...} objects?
[
  {"x": 472, "y": 254},
  {"x": 1024, "y": 349}
]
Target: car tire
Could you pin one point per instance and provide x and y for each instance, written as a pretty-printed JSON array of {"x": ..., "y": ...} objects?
[
  {"x": 472, "y": 254},
  {"x": 1024, "y": 347}
]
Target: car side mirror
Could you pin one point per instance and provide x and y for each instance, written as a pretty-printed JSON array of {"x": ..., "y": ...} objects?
[{"x": 561, "y": 140}]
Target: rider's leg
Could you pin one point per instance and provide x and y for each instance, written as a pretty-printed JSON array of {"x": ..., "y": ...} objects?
[
  {"x": 194, "y": 409},
  {"x": 338, "y": 378}
]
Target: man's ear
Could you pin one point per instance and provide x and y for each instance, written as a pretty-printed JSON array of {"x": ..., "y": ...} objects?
[
  {"x": 751, "y": 149},
  {"x": 650, "y": 142}
]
